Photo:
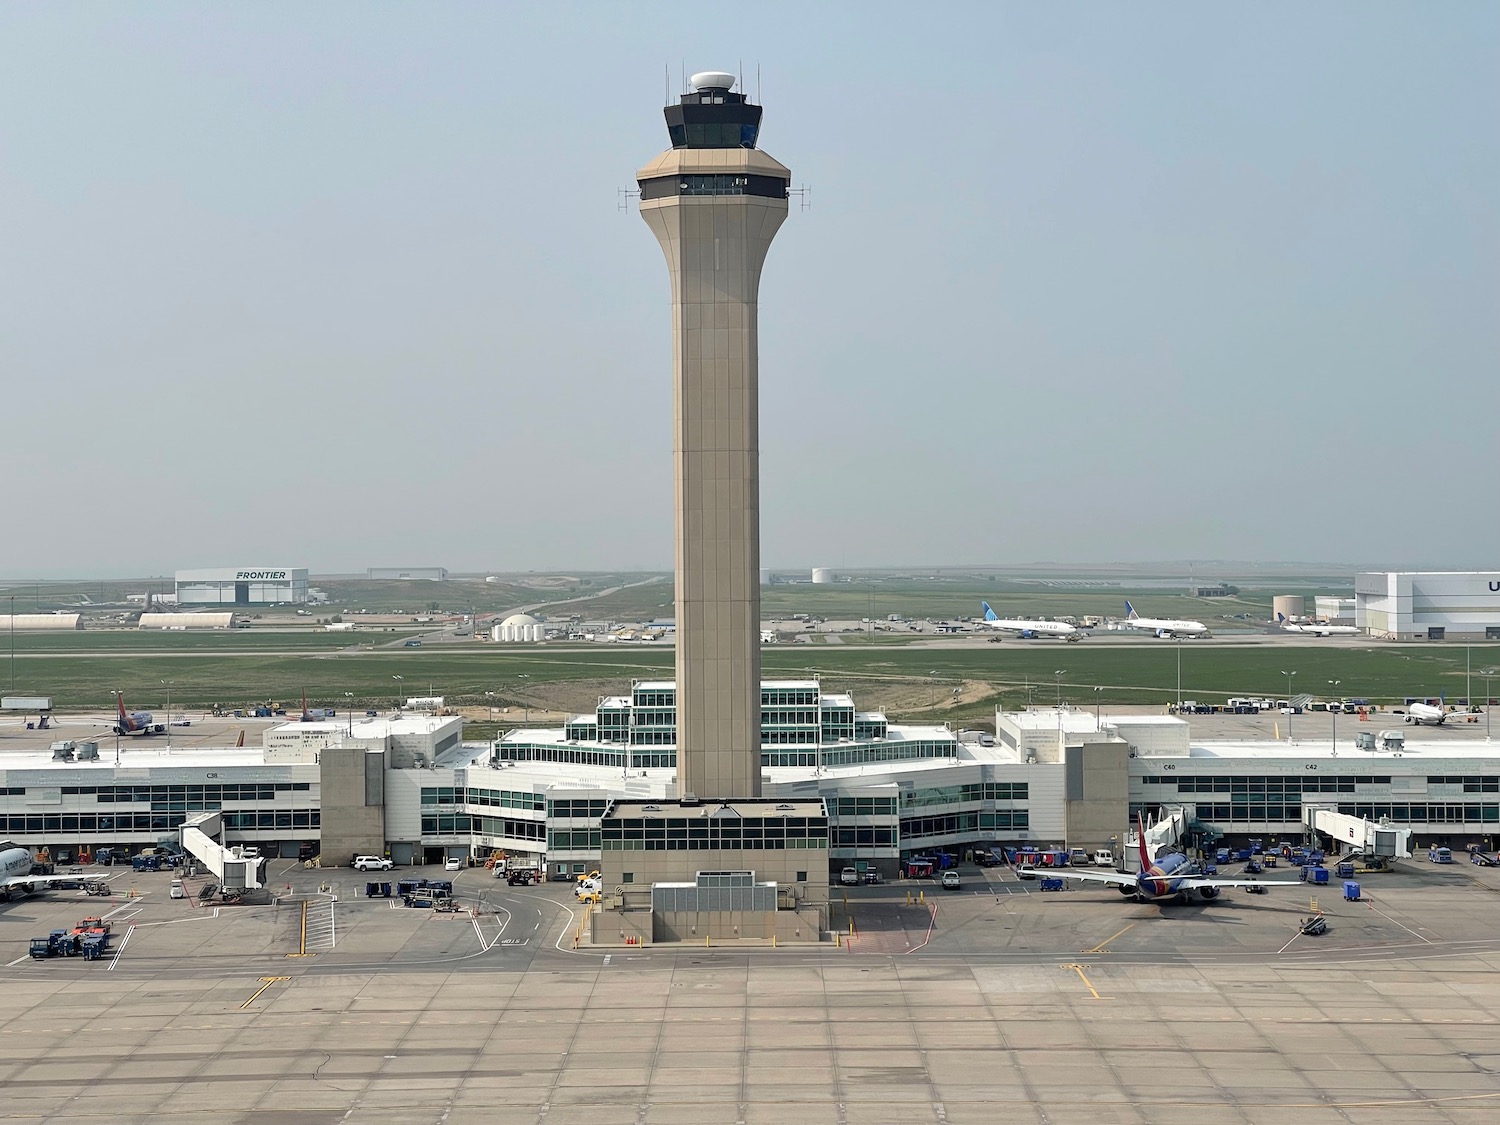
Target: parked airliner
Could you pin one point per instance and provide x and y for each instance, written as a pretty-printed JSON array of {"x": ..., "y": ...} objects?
[
  {"x": 1425, "y": 714},
  {"x": 136, "y": 722},
  {"x": 1029, "y": 629},
  {"x": 1164, "y": 626},
  {"x": 15, "y": 871},
  {"x": 1170, "y": 877}
]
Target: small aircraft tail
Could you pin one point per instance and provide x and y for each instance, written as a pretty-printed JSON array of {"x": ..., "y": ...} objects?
[
  {"x": 1140, "y": 838},
  {"x": 1130, "y": 613},
  {"x": 989, "y": 614},
  {"x": 241, "y": 740},
  {"x": 120, "y": 706}
]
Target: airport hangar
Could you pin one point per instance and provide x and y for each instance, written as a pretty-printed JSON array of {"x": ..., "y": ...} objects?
[
  {"x": 244, "y": 585},
  {"x": 604, "y": 787},
  {"x": 1428, "y": 605}
]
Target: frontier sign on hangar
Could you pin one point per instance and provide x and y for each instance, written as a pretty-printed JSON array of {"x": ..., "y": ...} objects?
[{"x": 243, "y": 585}]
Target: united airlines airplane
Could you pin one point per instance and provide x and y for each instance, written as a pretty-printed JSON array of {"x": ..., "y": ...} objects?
[
  {"x": 1164, "y": 626},
  {"x": 1023, "y": 628}
]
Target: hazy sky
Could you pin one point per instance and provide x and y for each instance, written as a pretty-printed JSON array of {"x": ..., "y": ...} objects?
[{"x": 343, "y": 285}]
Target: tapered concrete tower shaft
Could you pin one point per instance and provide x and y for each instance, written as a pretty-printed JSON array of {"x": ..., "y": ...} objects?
[{"x": 714, "y": 203}]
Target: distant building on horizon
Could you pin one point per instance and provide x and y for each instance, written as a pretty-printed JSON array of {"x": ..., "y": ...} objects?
[{"x": 408, "y": 574}]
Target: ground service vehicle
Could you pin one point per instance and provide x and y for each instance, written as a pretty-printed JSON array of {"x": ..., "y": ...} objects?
[
  {"x": 371, "y": 863},
  {"x": 1104, "y": 858},
  {"x": 849, "y": 877},
  {"x": 949, "y": 881}
]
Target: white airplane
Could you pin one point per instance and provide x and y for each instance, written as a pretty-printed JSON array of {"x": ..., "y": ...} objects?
[
  {"x": 1315, "y": 628},
  {"x": 1425, "y": 714},
  {"x": 15, "y": 871},
  {"x": 1164, "y": 626},
  {"x": 1172, "y": 877},
  {"x": 1030, "y": 629}
]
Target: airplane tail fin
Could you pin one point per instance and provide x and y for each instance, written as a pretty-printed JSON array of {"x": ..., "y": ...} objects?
[
  {"x": 120, "y": 703},
  {"x": 1140, "y": 829},
  {"x": 1130, "y": 613},
  {"x": 1281, "y": 619},
  {"x": 989, "y": 614}
]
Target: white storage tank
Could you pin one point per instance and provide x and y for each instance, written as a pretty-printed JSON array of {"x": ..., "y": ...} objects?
[{"x": 822, "y": 575}]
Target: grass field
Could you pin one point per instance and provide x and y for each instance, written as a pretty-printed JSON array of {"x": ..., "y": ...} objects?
[{"x": 915, "y": 683}]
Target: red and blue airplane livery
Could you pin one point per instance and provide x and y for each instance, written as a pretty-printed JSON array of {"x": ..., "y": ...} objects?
[{"x": 1169, "y": 878}]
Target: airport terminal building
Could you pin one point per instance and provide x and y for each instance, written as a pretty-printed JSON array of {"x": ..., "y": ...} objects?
[
  {"x": 412, "y": 788},
  {"x": 245, "y": 585},
  {"x": 1428, "y": 605}
]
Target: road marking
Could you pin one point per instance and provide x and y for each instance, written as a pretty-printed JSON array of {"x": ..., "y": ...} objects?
[
  {"x": 18, "y": 960},
  {"x": 120, "y": 952},
  {"x": 1100, "y": 948},
  {"x": 266, "y": 982},
  {"x": 1388, "y": 918},
  {"x": 122, "y": 906},
  {"x": 932, "y": 921},
  {"x": 607, "y": 958},
  {"x": 1086, "y": 982}
]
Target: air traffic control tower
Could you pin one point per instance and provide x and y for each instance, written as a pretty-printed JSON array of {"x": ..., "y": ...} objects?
[{"x": 714, "y": 203}]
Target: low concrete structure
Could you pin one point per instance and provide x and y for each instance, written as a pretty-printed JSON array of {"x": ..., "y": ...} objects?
[{"x": 710, "y": 871}]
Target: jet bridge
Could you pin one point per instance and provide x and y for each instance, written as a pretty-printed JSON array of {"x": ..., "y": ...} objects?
[
  {"x": 1168, "y": 830},
  {"x": 1354, "y": 835},
  {"x": 234, "y": 870}
]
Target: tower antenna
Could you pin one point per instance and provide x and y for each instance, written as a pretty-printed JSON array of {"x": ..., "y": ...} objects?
[
  {"x": 666, "y": 83},
  {"x": 684, "y": 76},
  {"x": 758, "y": 99},
  {"x": 742, "y": 77}
]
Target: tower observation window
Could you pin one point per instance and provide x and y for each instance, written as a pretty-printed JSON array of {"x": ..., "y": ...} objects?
[{"x": 767, "y": 187}]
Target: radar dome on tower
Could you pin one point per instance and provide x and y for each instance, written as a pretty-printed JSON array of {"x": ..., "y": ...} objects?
[{"x": 712, "y": 80}]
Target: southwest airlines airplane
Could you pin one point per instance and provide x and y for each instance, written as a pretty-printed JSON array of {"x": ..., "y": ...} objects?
[
  {"x": 1164, "y": 626},
  {"x": 1029, "y": 629},
  {"x": 1170, "y": 877}
]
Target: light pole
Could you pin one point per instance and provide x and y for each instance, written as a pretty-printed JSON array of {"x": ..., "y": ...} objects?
[
  {"x": 1097, "y": 690},
  {"x": 1289, "y": 707},
  {"x": 490, "y": 696},
  {"x": 349, "y": 706},
  {"x": 398, "y": 693},
  {"x": 1337, "y": 707},
  {"x": 1488, "y": 674},
  {"x": 169, "y": 715},
  {"x": 1179, "y": 674},
  {"x": 525, "y": 706},
  {"x": 12, "y": 644},
  {"x": 1058, "y": 675}
]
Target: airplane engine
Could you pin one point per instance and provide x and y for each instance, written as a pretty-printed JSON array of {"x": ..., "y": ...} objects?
[
  {"x": 1127, "y": 891},
  {"x": 1208, "y": 894}
]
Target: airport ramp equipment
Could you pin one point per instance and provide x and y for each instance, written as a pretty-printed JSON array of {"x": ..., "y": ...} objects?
[
  {"x": 1168, "y": 830},
  {"x": 1355, "y": 835},
  {"x": 235, "y": 871}
]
